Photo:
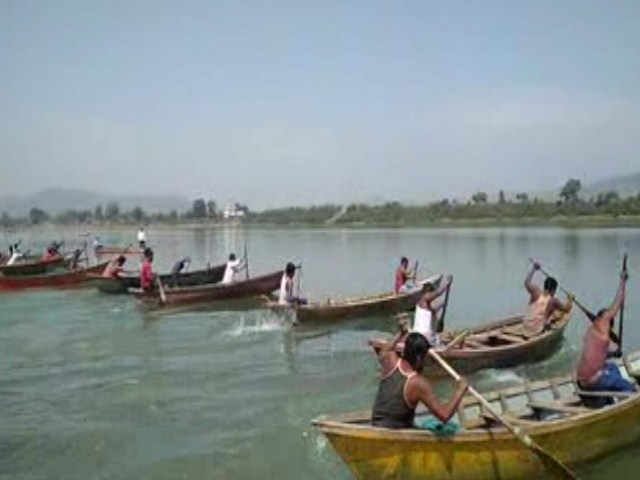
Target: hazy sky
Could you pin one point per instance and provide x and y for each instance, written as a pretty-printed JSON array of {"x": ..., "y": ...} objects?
[{"x": 294, "y": 102}]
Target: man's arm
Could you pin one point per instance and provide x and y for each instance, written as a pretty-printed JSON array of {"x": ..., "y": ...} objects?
[
  {"x": 603, "y": 323},
  {"x": 564, "y": 307},
  {"x": 533, "y": 290},
  {"x": 443, "y": 411}
]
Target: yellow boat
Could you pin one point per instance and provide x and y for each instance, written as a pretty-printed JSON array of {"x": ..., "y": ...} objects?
[{"x": 553, "y": 412}]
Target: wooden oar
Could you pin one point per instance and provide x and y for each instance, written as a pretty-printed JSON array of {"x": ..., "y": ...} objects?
[
  {"x": 415, "y": 271},
  {"x": 553, "y": 465},
  {"x": 457, "y": 340},
  {"x": 246, "y": 261},
  {"x": 440, "y": 328},
  {"x": 163, "y": 296},
  {"x": 621, "y": 324}
]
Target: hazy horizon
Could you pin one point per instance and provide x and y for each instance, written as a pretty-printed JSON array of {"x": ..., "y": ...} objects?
[{"x": 280, "y": 103}]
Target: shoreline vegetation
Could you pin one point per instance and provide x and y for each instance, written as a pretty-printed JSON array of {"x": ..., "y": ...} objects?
[{"x": 606, "y": 210}]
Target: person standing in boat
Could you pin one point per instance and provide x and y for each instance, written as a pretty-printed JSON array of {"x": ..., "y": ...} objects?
[
  {"x": 14, "y": 254},
  {"x": 142, "y": 238},
  {"x": 178, "y": 267},
  {"x": 594, "y": 372},
  {"x": 233, "y": 268},
  {"x": 542, "y": 303},
  {"x": 402, "y": 386},
  {"x": 403, "y": 277},
  {"x": 115, "y": 267},
  {"x": 146, "y": 273},
  {"x": 425, "y": 319},
  {"x": 285, "y": 295}
]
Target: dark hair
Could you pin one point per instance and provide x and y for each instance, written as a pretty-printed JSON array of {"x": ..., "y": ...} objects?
[
  {"x": 429, "y": 287},
  {"x": 404, "y": 261},
  {"x": 550, "y": 285},
  {"x": 148, "y": 253},
  {"x": 232, "y": 256},
  {"x": 290, "y": 269},
  {"x": 121, "y": 260},
  {"x": 416, "y": 346}
]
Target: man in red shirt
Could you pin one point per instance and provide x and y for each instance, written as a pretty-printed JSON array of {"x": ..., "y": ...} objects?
[
  {"x": 146, "y": 274},
  {"x": 403, "y": 274}
]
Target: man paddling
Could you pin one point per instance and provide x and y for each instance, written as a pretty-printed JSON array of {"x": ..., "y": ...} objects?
[
  {"x": 178, "y": 267},
  {"x": 115, "y": 267},
  {"x": 594, "y": 373},
  {"x": 233, "y": 268},
  {"x": 403, "y": 276},
  {"x": 425, "y": 318},
  {"x": 542, "y": 303},
  {"x": 146, "y": 274},
  {"x": 402, "y": 387}
]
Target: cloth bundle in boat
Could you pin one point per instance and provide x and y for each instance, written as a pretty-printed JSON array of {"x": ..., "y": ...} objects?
[{"x": 436, "y": 427}]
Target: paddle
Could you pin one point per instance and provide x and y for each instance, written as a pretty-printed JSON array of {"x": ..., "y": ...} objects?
[
  {"x": 163, "y": 296},
  {"x": 621, "y": 325},
  {"x": 415, "y": 271},
  {"x": 299, "y": 267},
  {"x": 246, "y": 261},
  {"x": 552, "y": 464},
  {"x": 440, "y": 328}
]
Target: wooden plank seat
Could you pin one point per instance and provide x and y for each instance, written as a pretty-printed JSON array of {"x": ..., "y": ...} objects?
[
  {"x": 557, "y": 406},
  {"x": 509, "y": 338}
]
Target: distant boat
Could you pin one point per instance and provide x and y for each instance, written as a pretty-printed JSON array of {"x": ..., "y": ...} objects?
[{"x": 63, "y": 279}]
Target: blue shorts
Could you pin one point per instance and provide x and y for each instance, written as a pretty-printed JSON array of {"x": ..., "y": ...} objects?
[{"x": 611, "y": 380}]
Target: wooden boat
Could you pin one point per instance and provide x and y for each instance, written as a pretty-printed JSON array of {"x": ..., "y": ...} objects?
[
  {"x": 552, "y": 412},
  {"x": 501, "y": 344},
  {"x": 370, "y": 305},
  {"x": 187, "y": 279},
  {"x": 64, "y": 279},
  {"x": 186, "y": 297},
  {"x": 34, "y": 266}
]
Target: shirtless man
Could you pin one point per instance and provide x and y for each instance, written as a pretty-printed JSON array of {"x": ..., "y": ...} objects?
[
  {"x": 115, "y": 267},
  {"x": 542, "y": 303},
  {"x": 594, "y": 372},
  {"x": 402, "y": 386}
]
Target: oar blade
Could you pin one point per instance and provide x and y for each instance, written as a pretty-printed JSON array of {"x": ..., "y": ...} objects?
[{"x": 554, "y": 467}]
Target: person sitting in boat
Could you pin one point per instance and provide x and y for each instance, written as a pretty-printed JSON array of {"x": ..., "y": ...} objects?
[
  {"x": 594, "y": 372},
  {"x": 425, "y": 319},
  {"x": 404, "y": 276},
  {"x": 402, "y": 386},
  {"x": 51, "y": 253},
  {"x": 285, "y": 295},
  {"x": 146, "y": 273},
  {"x": 115, "y": 267},
  {"x": 542, "y": 303},
  {"x": 234, "y": 266},
  {"x": 178, "y": 267},
  {"x": 14, "y": 254},
  {"x": 142, "y": 238}
]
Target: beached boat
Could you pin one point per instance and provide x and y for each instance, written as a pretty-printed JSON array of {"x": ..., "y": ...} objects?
[
  {"x": 502, "y": 344},
  {"x": 34, "y": 266},
  {"x": 553, "y": 412},
  {"x": 188, "y": 297},
  {"x": 387, "y": 303},
  {"x": 122, "y": 284},
  {"x": 62, "y": 279}
]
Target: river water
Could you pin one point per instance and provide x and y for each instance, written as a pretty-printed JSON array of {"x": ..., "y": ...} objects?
[{"x": 91, "y": 388}]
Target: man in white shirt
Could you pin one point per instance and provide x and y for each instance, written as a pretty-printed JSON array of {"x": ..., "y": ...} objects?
[
  {"x": 285, "y": 296},
  {"x": 234, "y": 266},
  {"x": 16, "y": 254},
  {"x": 142, "y": 238}
]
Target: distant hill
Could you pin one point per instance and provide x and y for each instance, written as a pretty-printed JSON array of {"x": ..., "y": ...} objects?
[
  {"x": 55, "y": 200},
  {"x": 625, "y": 185}
]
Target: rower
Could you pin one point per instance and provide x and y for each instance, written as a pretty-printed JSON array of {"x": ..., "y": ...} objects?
[
  {"x": 285, "y": 295},
  {"x": 402, "y": 386},
  {"x": 403, "y": 275},
  {"x": 233, "y": 267},
  {"x": 16, "y": 254},
  {"x": 115, "y": 267},
  {"x": 542, "y": 303},
  {"x": 178, "y": 267},
  {"x": 594, "y": 372},
  {"x": 51, "y": 253},
  {"x": 146, "y": 273},
  {"x": 425, "y": 319},
  {"x": 142, "y": 238}
]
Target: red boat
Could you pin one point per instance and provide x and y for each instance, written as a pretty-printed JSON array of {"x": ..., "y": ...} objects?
[
  {"x": 65, "y": 279},
  {"x": 34, "y": 266},
  {"x": 187, "y": 297}
]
